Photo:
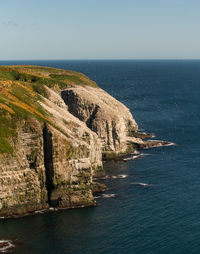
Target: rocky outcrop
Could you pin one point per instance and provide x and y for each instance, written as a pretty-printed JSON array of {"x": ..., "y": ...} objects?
[
  {"x": 109, "y": 119},
  {"x": 54, "y": 127},
  {"x": 103, "y": 114},
  {"x": 50, "y": 166},
  {"x": 22, "y": 174}
]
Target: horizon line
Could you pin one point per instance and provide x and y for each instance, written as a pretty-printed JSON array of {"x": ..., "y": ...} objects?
[{"x": 108, "y": 59}]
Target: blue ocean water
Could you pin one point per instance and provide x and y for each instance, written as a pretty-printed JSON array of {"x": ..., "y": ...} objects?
[{"x": 156, "y": 207}]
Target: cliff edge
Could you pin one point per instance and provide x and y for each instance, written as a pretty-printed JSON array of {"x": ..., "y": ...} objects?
[{"x": 54, "y": 127}]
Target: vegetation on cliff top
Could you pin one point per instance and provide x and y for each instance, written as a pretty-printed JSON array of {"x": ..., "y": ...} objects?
[{"x": 21, "y": 89}]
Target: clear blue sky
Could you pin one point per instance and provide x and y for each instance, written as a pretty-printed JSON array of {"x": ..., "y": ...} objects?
[{"x": 99, "y": 29}]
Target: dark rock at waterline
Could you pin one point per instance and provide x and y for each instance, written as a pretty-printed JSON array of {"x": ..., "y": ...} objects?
[
  {"x": 98, "y": 187},
  {"x": 5, "y": 245},
  {"x": 143, "y": 135},
  {"x": 154, "y": 143}
]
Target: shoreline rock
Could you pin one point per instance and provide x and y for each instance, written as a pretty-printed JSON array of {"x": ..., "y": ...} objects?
[
  {"x": 154, "y": 143},
  {"x": 5, "y": 245}
]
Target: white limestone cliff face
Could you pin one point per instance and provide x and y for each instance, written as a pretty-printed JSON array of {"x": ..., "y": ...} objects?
[
  {"x": 50, "y": 166},
  {"x": 103, "y": 114},
  {"x": 22, "y": 174}
]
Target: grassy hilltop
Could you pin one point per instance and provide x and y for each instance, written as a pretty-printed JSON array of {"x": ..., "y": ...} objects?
[{"x": 21, "y": 89}]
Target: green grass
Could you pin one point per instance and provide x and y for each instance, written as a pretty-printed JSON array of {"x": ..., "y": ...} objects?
[
  {"x": 21, "y": 89},
  {"x": 7, "y": 130},
  {"x": 74, "y": 78},
  {"x": 5, "y": 146}
]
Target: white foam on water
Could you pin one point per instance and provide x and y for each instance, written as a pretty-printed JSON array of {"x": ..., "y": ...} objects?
[
  {"x": 9, "y": 245},
  {"x": 144, "y": 154},
  {"x": 113, "y": 177},
  {"x": 118, "y": 176},
  {"x": 137, "y": 156},
  {"x": 40, "y": 211},
  {"x": 136, "y": 152},
  {"x": 112, "y": 195},
  {"x": 171, "y": 144},
  {"x": 127, "y": 159},
  {"x": 104, "y": 177},
  {"x": 54, "y": 209},
  {"x": 122, "y": 176},
  {"x": 109, "y": 195},
  {"x": 141, "y": 184}
]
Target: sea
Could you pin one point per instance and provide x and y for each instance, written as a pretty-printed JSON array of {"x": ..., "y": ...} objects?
[{"x": 152, "y": 205}]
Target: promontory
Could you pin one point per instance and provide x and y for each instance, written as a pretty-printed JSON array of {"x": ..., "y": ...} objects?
[{"x": 55, "y": 128}]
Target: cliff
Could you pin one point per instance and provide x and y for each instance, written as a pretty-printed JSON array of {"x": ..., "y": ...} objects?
[
  {"x": 107, "y": 117},
  {"x": 54, "y": 127}
]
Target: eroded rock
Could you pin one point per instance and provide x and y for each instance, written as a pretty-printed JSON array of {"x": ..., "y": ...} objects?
[
  {"x": 50, "y": 166},
  {"x": 103, "y": 114}
]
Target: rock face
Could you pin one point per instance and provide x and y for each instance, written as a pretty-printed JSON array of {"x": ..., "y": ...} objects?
[
  {"x": 22, "y": 174},
  {"x": 54, "y": 127},
  {"x": 48, "y": 169},
  {"x": 52, "y": 164},
  {"x": 103, "y": 114}
]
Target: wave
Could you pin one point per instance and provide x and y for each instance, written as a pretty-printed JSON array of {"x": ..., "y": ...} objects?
[
  {"x": 136, "y": 152},
  {"x": 137, "y": 156},
  {"x": 112, "y": 195},
  {"x": 6, "y": 245},
  {"x": 141, "y": 184},
  {"x": 113, "y": 177},
  {"x": 119, "y": 176},
  {"x": 54, "y": 209},
  {"x": 40, "y": 211}
]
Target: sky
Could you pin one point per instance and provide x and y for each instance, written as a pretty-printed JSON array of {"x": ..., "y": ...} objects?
[{"x": 99, "y": 29}]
